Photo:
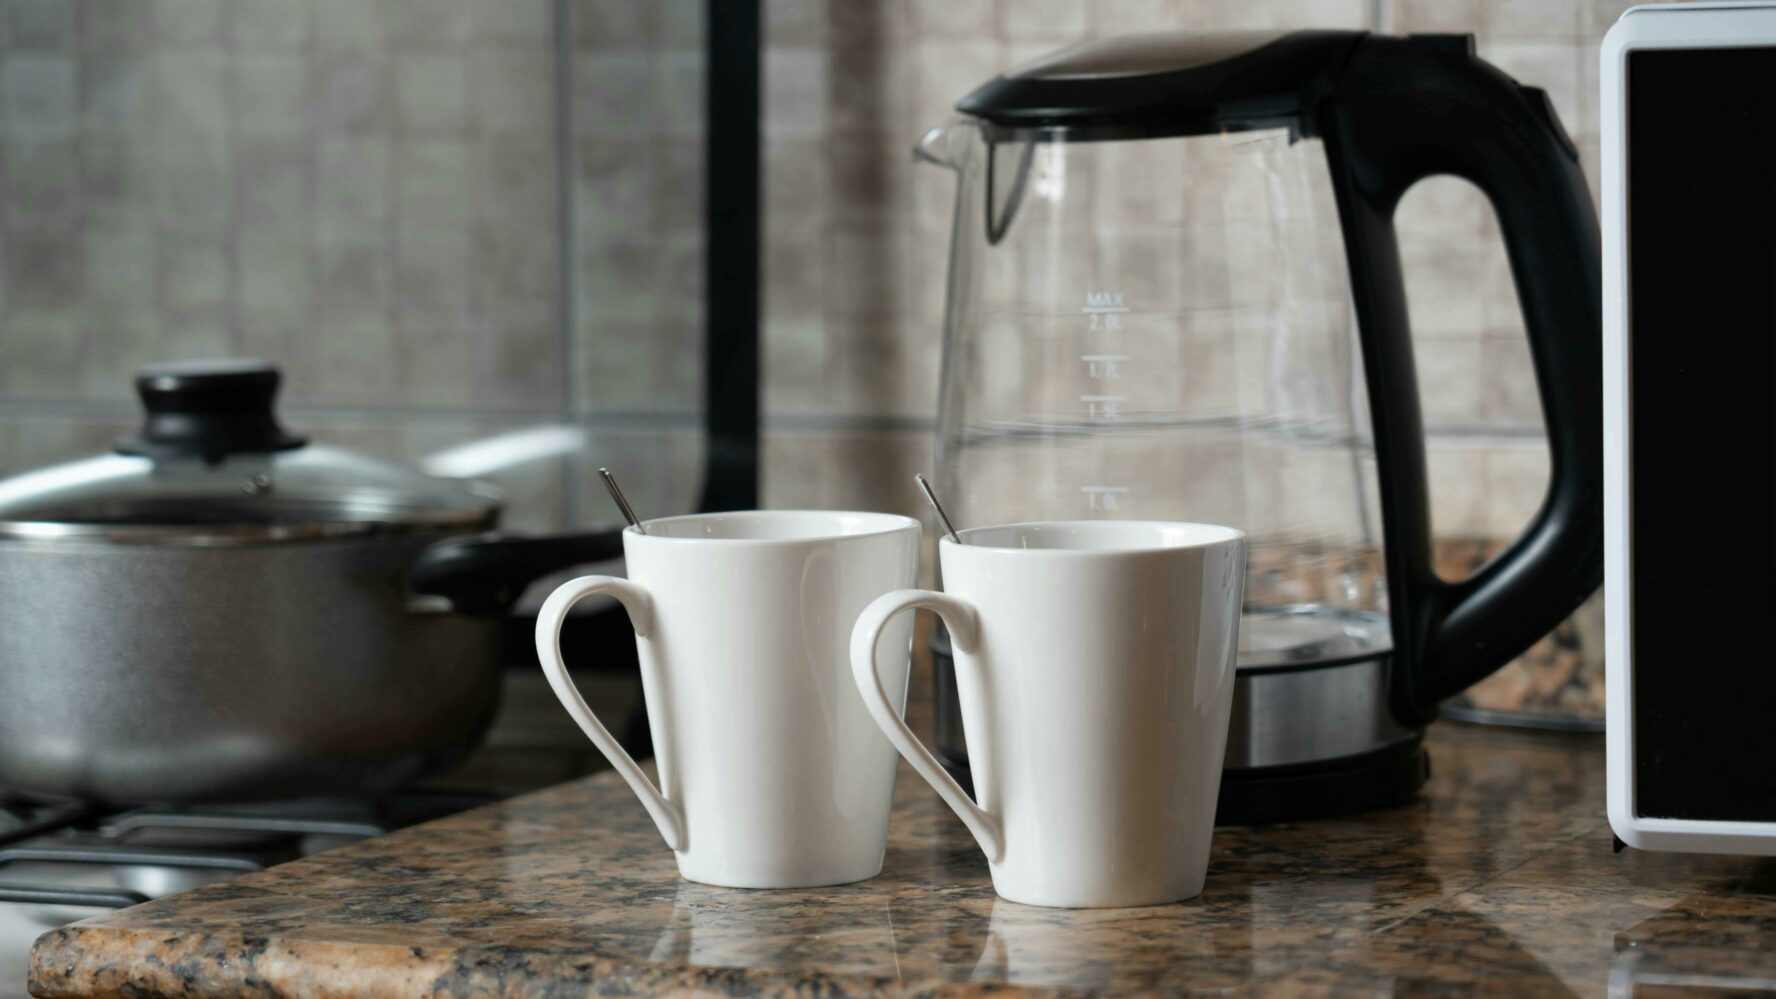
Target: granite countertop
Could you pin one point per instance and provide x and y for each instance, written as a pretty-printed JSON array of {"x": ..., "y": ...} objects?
[{"x": 1502, "y": 877}]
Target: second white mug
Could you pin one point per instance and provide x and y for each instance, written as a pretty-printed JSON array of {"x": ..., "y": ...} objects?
[{"x": 1095, "y": 668}]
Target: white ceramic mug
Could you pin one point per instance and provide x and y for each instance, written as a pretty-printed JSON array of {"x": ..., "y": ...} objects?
[
  {"x": 771, "y": 774},
  {"x": 1095, "y": 666}
]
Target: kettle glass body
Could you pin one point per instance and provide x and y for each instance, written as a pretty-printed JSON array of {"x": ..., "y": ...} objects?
[
  {"x": 1162, "y": 330},
  {"x": 1175, "y": 293}
]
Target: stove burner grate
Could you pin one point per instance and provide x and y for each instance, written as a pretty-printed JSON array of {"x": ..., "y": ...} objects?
[{"x": 89, "y": 835}]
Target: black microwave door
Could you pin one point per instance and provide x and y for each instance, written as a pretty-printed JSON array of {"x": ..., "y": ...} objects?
[{"x": 1701, "y": 164}]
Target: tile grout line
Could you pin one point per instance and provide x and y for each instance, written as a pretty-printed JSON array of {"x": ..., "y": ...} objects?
[{"x": 566, "y": 320}]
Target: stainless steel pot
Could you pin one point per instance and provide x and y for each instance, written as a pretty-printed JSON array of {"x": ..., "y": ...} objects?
[{"x": 220, "y": 611}]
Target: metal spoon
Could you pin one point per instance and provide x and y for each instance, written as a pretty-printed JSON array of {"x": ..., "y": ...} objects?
[
  {"x": 610, "y": 482},
  {"x": 931, "y": 497}
]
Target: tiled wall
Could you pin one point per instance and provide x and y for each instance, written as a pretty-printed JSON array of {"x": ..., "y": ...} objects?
[{"x": 371, "y": 193}]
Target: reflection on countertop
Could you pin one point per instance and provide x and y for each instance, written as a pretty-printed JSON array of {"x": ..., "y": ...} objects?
[{"x": 1501, "y": 878}]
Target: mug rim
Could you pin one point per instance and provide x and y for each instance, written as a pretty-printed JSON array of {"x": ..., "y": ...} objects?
[
  {"x": 1223, "y": 534},
  {"x": 888, "y": 523}
]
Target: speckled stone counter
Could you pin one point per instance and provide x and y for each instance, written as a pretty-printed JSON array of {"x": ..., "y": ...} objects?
[{"x": 1502, "y": 878}]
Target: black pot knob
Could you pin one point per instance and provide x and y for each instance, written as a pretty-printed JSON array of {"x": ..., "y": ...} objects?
[{"x": 209, "y": 410}]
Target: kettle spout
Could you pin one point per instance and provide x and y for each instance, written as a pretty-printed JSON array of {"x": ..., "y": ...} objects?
[{"x": 944, "y": 145}]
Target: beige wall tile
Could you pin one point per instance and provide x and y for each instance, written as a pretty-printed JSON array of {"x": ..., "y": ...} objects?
[
  {"x": 1275, "y": 14},
  {"x": 661, "y": 469},
  {"x": 432, "y": 269},
  {"x": 1551, "y": 65},
  {"x": 271, "y": 174},
  {"x": 795, "y": 22},
  {"x": 273, "y": 94},
  {"x": 510, "y": 91},
  {"x": 1510, "y": 399},
  {"x": 431, "y": 93},
  {"x": 1414, "y": 16},
  {"x": 120, "y": 263},
  {"x": 619, "y": 24},
  {"x": 795, "y": 365},
  {"x": 946, "y": 70},
  {"x": 1445, "y": 286},
  {"x": 434, "y": 360},
  {"x": 795, "y": 91},
  {"x": 195, "y": 338},
  {"x": 295, "y": 179},
  {"x": 1111, "y": 17},
  {"x": 932, "y": 19},
  {"x": 353, "y": 179},
  {"x": 1516, "y": 483},
  {"x": 1049, "y": 21},
  {"x": 844, "y": 471},
  {"x": 527, "y": 24},
  {"x": 116, "y": 346},
  {"x": 1553, "y": 20},
  {"x": 193, "y": 274},
  {"x": 431, "y": 180},
  {"x": 515, "y": 361},
  {"x": 1449, "y": 381},
  {"x": 1457, "y": 477},
  {"x": 40, "y": 356},
  {"x": 795, "y": 275},
  {"x": 1596, "y": 16},
  {"x": 39, "y": 24},
  {"x": 270, "y": 24},
  {"x": 357, "y": 364},
  {"x": 1443, "y": 208}
]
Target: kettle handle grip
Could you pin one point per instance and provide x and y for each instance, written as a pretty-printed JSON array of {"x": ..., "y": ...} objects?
[{"x": 1406, "y": 109}]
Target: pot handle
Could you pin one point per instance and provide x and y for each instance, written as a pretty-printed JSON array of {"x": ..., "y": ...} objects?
[
  {"x": 487, "y": 573},
  {"x": 668, "y": 817}
]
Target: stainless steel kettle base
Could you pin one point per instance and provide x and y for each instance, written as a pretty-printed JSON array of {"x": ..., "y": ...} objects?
[
  {"x": 1386, "y": 778},
  {"x": 1304, "y": 741}
]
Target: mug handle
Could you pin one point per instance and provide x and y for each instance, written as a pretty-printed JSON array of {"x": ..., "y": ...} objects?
[
  {"x": 668, "y": 817},
  {"x": 964, "y": 624}
]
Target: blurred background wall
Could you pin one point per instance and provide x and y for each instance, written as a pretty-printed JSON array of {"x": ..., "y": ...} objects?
[
  {"x": 442, "y": 218},
  {"x": 450, "y": 218}
]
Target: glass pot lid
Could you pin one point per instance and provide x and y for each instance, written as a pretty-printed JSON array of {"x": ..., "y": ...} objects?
[{"x": 212, "y": 464}]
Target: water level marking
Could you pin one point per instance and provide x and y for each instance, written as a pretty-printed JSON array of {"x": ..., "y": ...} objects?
[
  {"x": 1103, "y": 497},
  {"x": 1104, "y": 301},
  {"x": 1103, "y": 365},
  {"x": 1103, "y": 407}
]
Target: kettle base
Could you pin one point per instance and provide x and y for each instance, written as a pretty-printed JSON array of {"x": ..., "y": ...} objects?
[{"x": 1386, "y": 778}]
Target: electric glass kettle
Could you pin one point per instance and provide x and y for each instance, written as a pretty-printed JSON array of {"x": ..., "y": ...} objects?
[{"x": 1175, "y": 294}]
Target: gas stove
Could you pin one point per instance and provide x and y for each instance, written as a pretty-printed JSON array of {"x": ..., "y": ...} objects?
[{"x": 66, "y": 861}]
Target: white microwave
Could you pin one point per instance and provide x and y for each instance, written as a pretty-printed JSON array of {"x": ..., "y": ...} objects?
[{"x": 1689, "y": 307}]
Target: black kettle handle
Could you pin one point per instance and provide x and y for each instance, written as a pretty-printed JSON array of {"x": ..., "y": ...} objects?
[{"x": 1410, "y": 108}]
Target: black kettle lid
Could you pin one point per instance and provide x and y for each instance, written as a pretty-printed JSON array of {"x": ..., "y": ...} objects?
[{"x": 1174, "y": 83}]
